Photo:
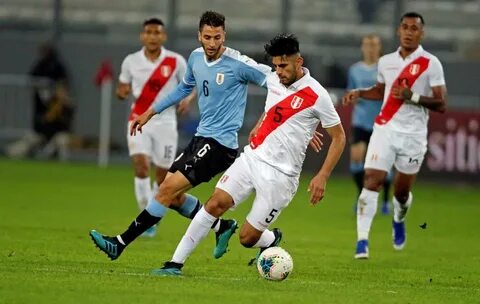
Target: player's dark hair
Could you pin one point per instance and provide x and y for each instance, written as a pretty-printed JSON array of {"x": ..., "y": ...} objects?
[
  {"x": 212, "y": 19},
  {"x": 155, "y": 21},
  {"x": 282, "y": 44},
  {"x": 413, "y": 15}
]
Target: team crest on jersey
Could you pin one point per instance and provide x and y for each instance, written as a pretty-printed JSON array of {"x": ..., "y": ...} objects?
[
  {"x": 296, "y": 102},
  {"x": 220, "y": 78},
  {"x": 414, "y": 69},
  {"x": 166, "y": 70}
]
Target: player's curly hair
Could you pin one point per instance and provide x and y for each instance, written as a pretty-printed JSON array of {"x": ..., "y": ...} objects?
[
  {"x": 212, "y": 19},
  {"x": 282, "y": 44}
]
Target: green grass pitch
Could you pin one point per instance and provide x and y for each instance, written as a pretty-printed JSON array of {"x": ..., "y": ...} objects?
[{"x": 46, "y": 255}]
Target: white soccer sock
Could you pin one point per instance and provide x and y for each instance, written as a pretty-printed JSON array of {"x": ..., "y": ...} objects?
[
  {"x": 155, "y": 188},
  {"x": 198, "y": 229},
  {"x": 366, "y": 209},
  {"x": 143, "y": 191},
  {"x": 400, "y": 210},
  {"x": 265, "y": 240}
]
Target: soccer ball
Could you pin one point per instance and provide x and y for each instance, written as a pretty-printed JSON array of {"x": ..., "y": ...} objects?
[{"x": 275, "y": 264}]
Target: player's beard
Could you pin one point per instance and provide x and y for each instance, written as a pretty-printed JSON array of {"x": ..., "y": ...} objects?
[
  {"x": 214, "y": 55},
  {"x": 288, "y": 81}
]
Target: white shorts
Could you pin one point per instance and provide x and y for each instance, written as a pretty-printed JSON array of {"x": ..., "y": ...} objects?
[
  {"x": 274, "y": 190},
  {"x": 158, "y": 140},
  {"x": 388, "y": 148}
]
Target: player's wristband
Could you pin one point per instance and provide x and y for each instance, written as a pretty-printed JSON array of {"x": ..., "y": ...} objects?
[{"x": 415, "y": 98}]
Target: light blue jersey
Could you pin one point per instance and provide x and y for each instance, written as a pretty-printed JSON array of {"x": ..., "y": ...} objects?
[
  {"x": 221, "y": 91},
  {"x": 361, "y": 75}
]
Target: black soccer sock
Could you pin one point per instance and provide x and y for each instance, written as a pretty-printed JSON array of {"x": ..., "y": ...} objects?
[
  {"x": 357, "y": 173},
  {"x": 198, "y": 206},
  {"x": 143, "y": 221},
  {"x": 223, "y": 225},
  {"x": 358, "y": 178},
  {"x": 386, "y": 190}
]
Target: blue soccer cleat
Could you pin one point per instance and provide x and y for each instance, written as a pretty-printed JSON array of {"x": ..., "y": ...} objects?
[
  {"x": 399, "y": 235},
  {"x": 222, "y": 238},
  {"x": 362, "y": 250},
  {"x": 150, "y": 232},
  {"x": 110, "y": 245},
  {"x": 169, "y": 269},
  {"x": 386, "y": 208},
  {"x": 278, "y": 238}
]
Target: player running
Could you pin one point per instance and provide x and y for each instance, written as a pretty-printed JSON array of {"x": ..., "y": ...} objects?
[
  {"x": 221, "y": 75},
  {"x": 271, "y": 164},
  {"x": 150, "y": 73},
  {"x": 410, "y": 81},
  {"x": 363, "y": 74}
]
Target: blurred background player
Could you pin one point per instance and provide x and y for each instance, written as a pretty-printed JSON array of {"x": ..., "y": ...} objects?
[
  {"x": 410, "y": 81},
  {"x": 363, "y": 74},
  {"x": 221, "y": 75},
  {"x": 52, "y": 110},
  {"x": 152, "y": 72},
  {"x": 270, "y": 166}
]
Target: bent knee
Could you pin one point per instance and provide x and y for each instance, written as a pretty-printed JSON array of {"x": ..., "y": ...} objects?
[
  {"x": 373, "y": 181},
  {"x": 166, "y": 193},
  {"x": 141, "y": 170},
  {"x": 247, "y": 240},
  {"x": 216, "y": 207}
]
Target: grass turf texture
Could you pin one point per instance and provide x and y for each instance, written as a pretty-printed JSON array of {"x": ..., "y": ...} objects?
[{"x": 46, "y": 255}]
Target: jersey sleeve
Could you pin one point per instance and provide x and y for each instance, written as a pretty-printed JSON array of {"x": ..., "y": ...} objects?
[
  {"x": 436, "y": 77},
  {"x": 325, "y": 111},
  {"x": 251, "y": 71},
  {"x": 380, "y": 76},
  {"x": 125, "y": 74},
  {"x": 181, "y": 68},
  {"x": 189, "y": 78},
  {"x": 351, "y": 80}
]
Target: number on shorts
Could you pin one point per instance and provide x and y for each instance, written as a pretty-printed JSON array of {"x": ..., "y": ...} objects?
[
  {"x": 203, "y": 150},
  {"x": 168, "y": 152},
  {"x": 271, "y": 216}
]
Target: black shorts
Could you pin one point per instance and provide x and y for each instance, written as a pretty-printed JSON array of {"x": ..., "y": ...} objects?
[
  {"x": 202, "y": 159},
  {"x": 360, "y": 135}
]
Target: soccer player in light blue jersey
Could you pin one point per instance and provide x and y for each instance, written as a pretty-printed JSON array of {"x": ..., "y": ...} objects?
[
  {"x": 221, "y": 75},
  {"x": 363, "y": 74}
]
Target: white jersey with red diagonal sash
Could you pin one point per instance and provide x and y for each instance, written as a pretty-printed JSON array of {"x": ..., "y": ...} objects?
[
  {"x": 152, "y": 79},
  {"x": 291, "y": 116},
  {"x": 420, "y": 71},
  {"x": 148, "y": 80}
]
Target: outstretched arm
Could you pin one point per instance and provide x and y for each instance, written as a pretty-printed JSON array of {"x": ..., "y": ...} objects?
[
  {"x": 319, "y": 181},
  {"x": 184, "y": 105},
  {"x": 375, "y": 93},
  {"x": 180, "y": 92}
]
